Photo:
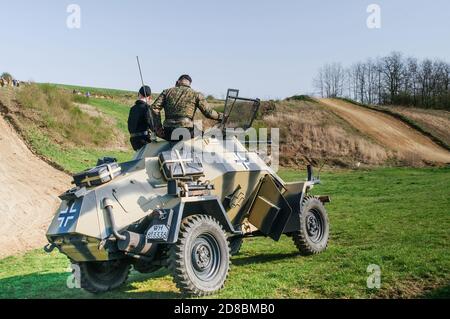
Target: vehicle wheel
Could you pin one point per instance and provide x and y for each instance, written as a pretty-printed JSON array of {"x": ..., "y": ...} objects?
[
  {"x": 102, "y": 276},
  {"x": 145, "y": 266},
  {"x": 312, "y": 238},
  {"x": 235, "y": 245},
  {"x": 200, "y": 259}
]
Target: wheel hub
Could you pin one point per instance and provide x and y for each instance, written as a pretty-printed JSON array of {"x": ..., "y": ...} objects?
[
  {"x": 202, "y": 256},
  {"x": 313, "y": 226},
  {"x": 205, "y": 256}
]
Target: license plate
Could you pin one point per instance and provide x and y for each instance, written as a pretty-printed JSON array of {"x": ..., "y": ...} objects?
[{"x": 158, "y": 232}]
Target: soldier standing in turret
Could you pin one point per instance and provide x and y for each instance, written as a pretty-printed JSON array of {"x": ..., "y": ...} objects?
[{"x": 180, "y": 104}]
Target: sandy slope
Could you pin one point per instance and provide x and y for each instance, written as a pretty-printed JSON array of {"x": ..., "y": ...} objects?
[
  {"x": 389, "y": 131},
  {"x": 29, "y": 190}
]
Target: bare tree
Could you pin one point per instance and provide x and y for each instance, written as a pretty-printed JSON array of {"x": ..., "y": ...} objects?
[
  {"x": 392, "y": 67},
  {"x": 389, "y": 80}
]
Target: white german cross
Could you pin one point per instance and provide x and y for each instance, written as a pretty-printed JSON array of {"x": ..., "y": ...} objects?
[
  {"x": 66, "y": 215},
  {"x": 242, "y": 159}
]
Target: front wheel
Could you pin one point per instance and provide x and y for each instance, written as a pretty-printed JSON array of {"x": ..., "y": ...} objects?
[
  {"x": 312, "y": 238},
  {"x": 102, "y": 276},
  {"x": 200, "y": 259}
]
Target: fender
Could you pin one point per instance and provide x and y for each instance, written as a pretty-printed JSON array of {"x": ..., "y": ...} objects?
[{"x": 207, "y": 205}]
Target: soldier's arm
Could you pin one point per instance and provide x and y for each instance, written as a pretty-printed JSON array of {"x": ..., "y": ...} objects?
[
  {"x": 155, "y": 113},
  {"x": 207, "y": 110},
  {"x": 158, "y": 105}
]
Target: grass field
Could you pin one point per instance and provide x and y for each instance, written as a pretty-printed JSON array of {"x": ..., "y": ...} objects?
[
  {"x": 94, "y": 90},
  {"x": 395, "y": 218}
]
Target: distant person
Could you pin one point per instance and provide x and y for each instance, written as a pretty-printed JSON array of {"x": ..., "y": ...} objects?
[
  {"x": 140, "y": 123},
  {"x": 88, "y": 94},
  {"x": 180, "y": 104}
]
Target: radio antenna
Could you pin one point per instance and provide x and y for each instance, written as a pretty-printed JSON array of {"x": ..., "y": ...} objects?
[{"x": 145, "y": 95}]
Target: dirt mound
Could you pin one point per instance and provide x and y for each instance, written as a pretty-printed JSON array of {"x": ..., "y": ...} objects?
[
  {"x": 436, "y": 122},
  {"x": 308, "y": 130},
  {"x": 389, "y": 131},
  {"x": 28, "y": 194}
]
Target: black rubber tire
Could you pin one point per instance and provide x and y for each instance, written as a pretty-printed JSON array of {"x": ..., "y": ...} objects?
[
  {"x": 235, "y": 245},
  {"x": 102, "y": 276},
  {"x": 201, "y": 240},
  {"x": 146, "y": 269},
  {"x": 306, "y": 240}
]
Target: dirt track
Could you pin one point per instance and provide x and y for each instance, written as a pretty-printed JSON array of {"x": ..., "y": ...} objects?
[
  {"x": 389, "y": 131},
  {"x": 28, "y": 194}
]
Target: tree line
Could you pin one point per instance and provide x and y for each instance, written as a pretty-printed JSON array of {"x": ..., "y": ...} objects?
[{"x": 392, "y": 79}]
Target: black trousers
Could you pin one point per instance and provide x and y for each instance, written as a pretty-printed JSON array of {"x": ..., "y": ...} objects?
[
  {"x": 169, "y": 130},
  {"x": 139, "y": 141}
]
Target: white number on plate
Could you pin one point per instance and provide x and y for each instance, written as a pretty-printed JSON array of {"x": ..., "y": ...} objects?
[{"x": 158, "y": 232}]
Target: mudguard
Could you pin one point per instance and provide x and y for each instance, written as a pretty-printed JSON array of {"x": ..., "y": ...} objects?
[{"x": 170, "y": 219}]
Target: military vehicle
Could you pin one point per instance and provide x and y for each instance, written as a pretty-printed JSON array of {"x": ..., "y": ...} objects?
[{"x": 168, "y": 207}]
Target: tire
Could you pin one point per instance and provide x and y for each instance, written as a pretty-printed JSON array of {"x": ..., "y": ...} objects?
[
  {"x": 235, "y": 245},
  {"x": 312, "y": 238},
  {"x": 200, "y": 259},
  {"x": 102, "y": 276},
  {"x": 145, "y": 268}
]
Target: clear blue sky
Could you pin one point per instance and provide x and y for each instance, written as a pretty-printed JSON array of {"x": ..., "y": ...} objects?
[{"x": 264, "y": 48}]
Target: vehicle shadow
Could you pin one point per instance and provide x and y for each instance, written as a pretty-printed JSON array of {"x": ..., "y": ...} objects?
[
  {"x": 157, "y": 285},
  {"x": 41, "y": 285},
  {"x": 437, "y": 293},
  {"x": 264, "y": 258}
]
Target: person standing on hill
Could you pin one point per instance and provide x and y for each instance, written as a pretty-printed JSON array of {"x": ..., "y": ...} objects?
[
  {"x": 140, "y": 122},
  {"x": 180, "y": 104}
]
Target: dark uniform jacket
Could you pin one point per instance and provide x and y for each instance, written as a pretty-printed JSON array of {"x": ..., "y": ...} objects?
[
  {"x": 139, "y": 124},
  {"x": 139, "y": 118}
]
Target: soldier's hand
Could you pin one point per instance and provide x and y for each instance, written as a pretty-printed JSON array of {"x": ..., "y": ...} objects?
[{"x": 160, "y": 132}]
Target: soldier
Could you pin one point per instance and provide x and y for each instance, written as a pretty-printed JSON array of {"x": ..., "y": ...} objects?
[
  {"x": 140, "y": 123},
  {"x": 180, "y": 104}
]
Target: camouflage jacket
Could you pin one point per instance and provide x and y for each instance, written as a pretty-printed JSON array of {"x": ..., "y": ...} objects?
[{"x": 180, "y": 104}]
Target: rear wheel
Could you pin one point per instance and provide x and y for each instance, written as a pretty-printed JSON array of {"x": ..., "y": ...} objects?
[
  {"x": 102, "y": 276},
  {"x": 235, "y": 245},
  {"x": 200, "y": 259},
  {"x": 312, "y": 238}
]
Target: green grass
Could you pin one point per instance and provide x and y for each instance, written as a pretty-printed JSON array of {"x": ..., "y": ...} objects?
[
  {"x": 71, "y": 159},
  {"x": 68, "y": 137},
  {"x": 396, "y": 218},
  {"x": 115, "y": 109},
  {"x": 95, "y": 90},
  {"x": 53, "y": 110}
]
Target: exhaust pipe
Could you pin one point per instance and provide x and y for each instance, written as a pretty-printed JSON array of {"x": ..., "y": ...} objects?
[
  {"x": 108, "y": 206},
  {"x": 129, "y": 242}
]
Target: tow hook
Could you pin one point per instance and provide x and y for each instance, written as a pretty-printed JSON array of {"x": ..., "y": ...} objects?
[{"x": 49, "y": 248}]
